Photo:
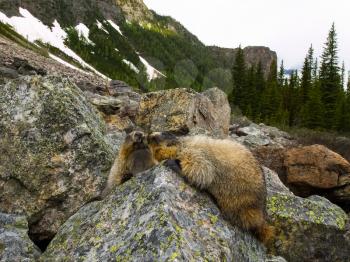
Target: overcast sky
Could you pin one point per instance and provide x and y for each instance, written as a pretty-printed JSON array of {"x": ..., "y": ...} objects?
[{"x": 288, "y": 27}]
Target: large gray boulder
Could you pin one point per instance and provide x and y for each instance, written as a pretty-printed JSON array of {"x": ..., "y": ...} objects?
[
  {"x": 184, "y": 110},
  {"x": 15, "y": 244},
  {"x": 157, "y": 216},
  {"x": 54, "y": 155},
  {"x": 254, "y": 136},
  {"x": 153, "y": 217},
  {"x": 307, "y": 229}
]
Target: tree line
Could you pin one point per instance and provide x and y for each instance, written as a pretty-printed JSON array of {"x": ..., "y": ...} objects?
[{"x": 316, "y": 98}]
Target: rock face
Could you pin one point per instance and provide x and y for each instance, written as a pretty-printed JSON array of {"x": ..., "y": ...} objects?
[
  {"x": 182, "y": 110},
  {"x": 67, "y": 12},
  {"x": 315, "y": 168},
  {"x": 153, "y": 217},
  {"x": 135, "y": 10},
  {"x": 54, "y": 155},
  {"x": 311, "y": 229},
  {"x": 15, "y": 244},
  {"x": 252, "y": 54}
]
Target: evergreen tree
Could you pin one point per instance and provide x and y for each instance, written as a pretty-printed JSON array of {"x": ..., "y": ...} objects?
[
  {"x": 314, "y": 111},
  {"x": 292, "y": 100},
  {"x": 251, "y": 94},
  {"x": 306, "y": 79},
  {"x": 239, "y": 80},
  {"x": 281, "y": 75},
  {"x": 315, "y": 71},
  {"x": 259, "y": 79},
  {"x": 342, "y": 75},
  {"x": 271, "y": 99},
  {"x": 343, "y": 111},
  {"x": 330, "y": 80},
  {"x": 260, "y": 84}
]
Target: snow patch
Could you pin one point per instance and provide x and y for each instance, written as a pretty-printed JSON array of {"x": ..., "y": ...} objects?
[
  {"x": 33, "y": 29},
  {"x": 100, "y": 26},
  {"x": 84, "y": 32},
  {"x": 115, "y": 26},
  {"x": 61, "y": 61},
  {"x": 152, "y": 73},
  {"x": 131, "y": 65}
]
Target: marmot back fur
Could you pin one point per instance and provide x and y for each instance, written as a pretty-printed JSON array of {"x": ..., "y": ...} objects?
[
  {"x": 226, "y": 169},
  {"x": 134, "y": 157}
]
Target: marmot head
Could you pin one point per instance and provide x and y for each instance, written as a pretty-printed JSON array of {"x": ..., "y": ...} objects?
[
  {"x": 136, "y": 140},
  {"x": 164, "y": 145}
]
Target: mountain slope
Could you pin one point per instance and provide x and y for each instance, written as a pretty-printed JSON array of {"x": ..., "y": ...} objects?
[{"x": 120, "y": 39}]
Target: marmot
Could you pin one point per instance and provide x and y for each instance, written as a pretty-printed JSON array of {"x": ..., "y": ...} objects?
[
  {"x": 224, "y": 168},
  {"x": 134, "y": 157}
]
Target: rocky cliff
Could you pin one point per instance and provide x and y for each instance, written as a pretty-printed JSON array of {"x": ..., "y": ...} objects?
[
  {"x": 66, "y": 12},
  {"x": 252, "y": 54}
]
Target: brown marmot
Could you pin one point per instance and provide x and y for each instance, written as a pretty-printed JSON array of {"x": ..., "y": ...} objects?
[
  {"x": 134, "y": 157},
  {"x": 224, "y": 168}
]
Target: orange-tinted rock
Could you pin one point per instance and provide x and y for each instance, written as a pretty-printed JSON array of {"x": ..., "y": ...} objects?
[{"x": 316, "y": 167}]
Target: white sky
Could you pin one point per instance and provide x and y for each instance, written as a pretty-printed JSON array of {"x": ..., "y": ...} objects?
[{"x": 287, "y": 27}]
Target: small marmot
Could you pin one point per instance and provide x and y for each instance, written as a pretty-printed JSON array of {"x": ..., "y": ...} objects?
[
  {"x": 134, "y": 157},
  {"x": 224, "y": 168}
]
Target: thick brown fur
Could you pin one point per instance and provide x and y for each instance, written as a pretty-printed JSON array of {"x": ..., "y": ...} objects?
[
  {"x": 227, "y": 170},
  {"x": 134, "y": 157}
]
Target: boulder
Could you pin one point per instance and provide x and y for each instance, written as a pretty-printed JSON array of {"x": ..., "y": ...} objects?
[
  {"x": 54, "y": 153},
  {"x": 273, "y": 183},
  {"x": 311, "y": 229},
  {"x": 118, "y": 112},
  {"x": 25, "y": 68},
  {"x": 182, "y": 110},
  {"x": 316, "y": 168},
  {"x": 15, "y": 244},
  {"x": 255, "y": 136},
  {"x": 221, "y": 106},
  {"x": 6, "y": 72},
  {"x": 109, "y": 105},
  {"x": 155, "y": 216},
  {"x": 271, "y": 157}
]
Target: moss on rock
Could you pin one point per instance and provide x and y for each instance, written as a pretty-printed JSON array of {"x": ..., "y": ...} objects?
[{"x": 55, "y": 156}]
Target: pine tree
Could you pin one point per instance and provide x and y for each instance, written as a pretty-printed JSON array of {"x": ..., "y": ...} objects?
[
  {"x": 330, "y": 80},
  {"x": 306, "y": 79},
  {"x": 239, "y": 80},
  {"x": 292, "y": 100},
  {"x": 343, "y": 111},
  {"x": 342, "y": 75},
  {"x": 314, "y": 111},
  {"x": 250, "y": 109},
  {"x": 271, "y": 99},
  {"x": 315, "y": 71},
  {"x": 260, "y": 84},
  {"x": 281, "y": 73}
]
